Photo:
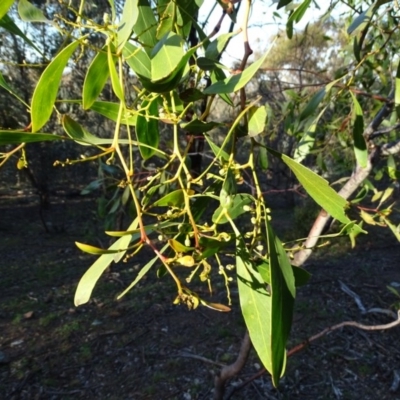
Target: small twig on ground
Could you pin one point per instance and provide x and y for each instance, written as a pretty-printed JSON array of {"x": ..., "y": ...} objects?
[
  {"x": 355, "y": 296},
  {"x": 304, "y": 344},
  {"x": 200, "y": 358}
]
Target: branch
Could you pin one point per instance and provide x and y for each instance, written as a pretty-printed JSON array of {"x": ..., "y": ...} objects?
[
  {"x": 358, "y": 176},
  {"x": 231, "y": 370}
]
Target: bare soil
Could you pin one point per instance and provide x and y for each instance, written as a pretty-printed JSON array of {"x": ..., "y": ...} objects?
[{"x": 144, "y": 347}]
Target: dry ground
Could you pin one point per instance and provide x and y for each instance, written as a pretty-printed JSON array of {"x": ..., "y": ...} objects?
[{"x": 143, "y": 347}]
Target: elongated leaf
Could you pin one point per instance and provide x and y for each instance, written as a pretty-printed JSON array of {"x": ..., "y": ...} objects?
[
  {"x": 97, "y": 250},
  {"x": 95, "y": 79},
  {"x": 256, "y": 304},
  {"x": 46, "y": 89},
  {"x": 110, "y": 110},
  {"x": 172, "y": 199},
  {"x": 306, "y": 142},
  {"x": 15, "y": 137},
  {"x": 235, "y": 209},
  {"x": 215, "y": 48},
  {"x": 397, "y": 91},
  {"x": 283, "y": 3},
  {"x": 130, "y": 15},
  {"x": 218, "y": 152},
  {"x": 298, "y": 14},
  {"x": 145, "y": 27},
  {"x": 166, "y": 56},
  {"x": 257, "y": 118},
  {"x": 197, "y": 126},
  {"x": 30, "y": 13},
  {"x": 283, "y": 292},
  {"x": 115, "y": 82},
  {"x": 138, "y": 60},
  {"x": 5, "y": 6},
  {"x": 8, "y": 24},
  {"x": 92, "y": 275},
  {"x": 360, "y": 145},
  {"x": 147, "y": 129},
  {"x": 236, "y": 82},
  {"x": 361, "y": 20},
  {"x": 313, "y": 104},
  {"x": 318, "y": 188},
  {"x": 76, "y": 132},
  {"x": 168, "y": 19}
]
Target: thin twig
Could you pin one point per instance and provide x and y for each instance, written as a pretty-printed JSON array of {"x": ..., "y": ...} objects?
[
  {"x": 200, "y": 358},
  {"x": 305, "y": 343}
]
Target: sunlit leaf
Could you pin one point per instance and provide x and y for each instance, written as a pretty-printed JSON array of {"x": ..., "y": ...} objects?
[
  {"x": 46, "y": 89},
  {"x": 236, "y": 82},
  {"x": 256, "y": 304},
  {"x": 172, "y": 199},
  {"x": 318, "y": 188},
  {"x": 95, "y": 79},
  {"x": 215, "y": 48},
  {"x": 96, "y": 250},
  {"x": 257, "y": 118},
  {"x": 186, "y": 261},
  {"x": 5, "y": 6},
  {"x": 129, "y": 17},
  {"x": 115, "y": 82},
  {"x": 166, "y": 56},
  {"x": 145, "y": 26},
  {"x": 92, "y": 275},
  {"x": 235, "y": 209},
  {"x": 361, "y": 20},
  {"x": 218, "y": 152}
]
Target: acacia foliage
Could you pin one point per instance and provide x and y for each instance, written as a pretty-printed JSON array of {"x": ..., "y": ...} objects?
[{"x": 191, "y": 219}]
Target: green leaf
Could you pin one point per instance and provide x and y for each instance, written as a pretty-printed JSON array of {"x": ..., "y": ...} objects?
[
  {"x": 197, "y": 126},
  {"x": 236, "y": 208},
  {"x": 46, "y": 89},
  {"x": 283, "y": 292},
  {"x": 95, "y": 79},
  {"x": 8, "y": 24},
  {"x": 306, "y": 142},
  {"x": 145, "y": 27},
  {"x": 5, "y": 6},
  {"x": 360, "y": 145},
  {"x": 256, "y": 304},
  {"x": 283, "y": 3},
  {"x": 298, "y": 14},
  {"x": 215, "y": 48},
  {"x": 96, "y": 250},
  {"x": 361, "y": 20},
  {"x": 218, "y": 152},
  {"x": 313, "y": 104},
  {"x": 30, "y": 13},
  {"x": 138, "y": 60},
  {"x": 172, "y": 199},
  {"x": 15, "y": 137},
  {"x": 115, "y": 82},
  {"x": 317, "y": 187},
  {"x": 179, "y": 247},
  {"x": 167, "y": 20},
  {"x": 92, "y": 275},
  {"x": 301, "y": 276},
  {"x": 111, "y": 111},
  {"x": 263, "y": 158},
  {"x": 147, "y": 129},
  {"x": 80, "y": 135},
  {"x": 236, "y": 82},
  {"x": 166, "y": 57},
  {"x": 129, "y": 17},
  {"x": 257, "y": 118}
]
